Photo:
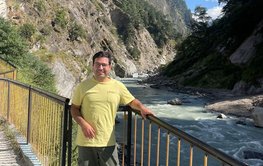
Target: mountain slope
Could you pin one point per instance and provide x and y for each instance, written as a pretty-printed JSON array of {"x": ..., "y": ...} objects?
[
  {"x": 227, "y": 54},
  {"x": 65, "y": 34}
]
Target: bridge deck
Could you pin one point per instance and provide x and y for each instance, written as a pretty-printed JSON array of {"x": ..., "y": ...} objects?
[{"x": 7, "y": 154}]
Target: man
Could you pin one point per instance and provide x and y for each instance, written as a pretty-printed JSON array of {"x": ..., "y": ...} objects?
[{"x": 94, "y": 105}]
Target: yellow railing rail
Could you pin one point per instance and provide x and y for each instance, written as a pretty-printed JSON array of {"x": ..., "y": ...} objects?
[
  {"x": 7, "y": 70},
  {"x": 39, "y": 116}
]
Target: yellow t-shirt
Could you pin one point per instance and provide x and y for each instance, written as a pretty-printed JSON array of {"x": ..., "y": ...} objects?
[{"x": 99, "y": 102}]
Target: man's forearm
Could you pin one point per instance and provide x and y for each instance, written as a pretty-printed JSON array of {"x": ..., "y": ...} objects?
[
  {"x": 76, "y": 115},
  {"x": 137, "y": 105}
]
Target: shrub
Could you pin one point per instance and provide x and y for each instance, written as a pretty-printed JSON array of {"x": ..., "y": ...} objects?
[
  {"x": 76, "y": 31},
  {"x": 27, "y": 30},
  {"x": 61, "y": 18}
]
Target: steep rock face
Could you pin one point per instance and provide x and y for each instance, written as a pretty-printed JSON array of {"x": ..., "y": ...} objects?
[
  {"x": 65, "y": 81},
  {"x": 3, "y": 9},
  {"x": 98, "y": 19},
  {"x": 247, "y": 49},
  {"x": 177, "y": 12}
]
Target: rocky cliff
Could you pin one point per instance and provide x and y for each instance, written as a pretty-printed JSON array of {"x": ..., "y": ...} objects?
[{"x": 67, "y": 33}]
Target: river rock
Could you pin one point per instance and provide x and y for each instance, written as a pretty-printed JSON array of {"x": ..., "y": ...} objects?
[
  {"x": 175, "y": 101},
  {"x": 221, "y": 116},
  {"x": 257, "y": 116},
  {"x": 252, "y": 155}
]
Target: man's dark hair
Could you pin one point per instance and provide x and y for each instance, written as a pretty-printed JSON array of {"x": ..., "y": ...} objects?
[{"x": 101, "y": 54}]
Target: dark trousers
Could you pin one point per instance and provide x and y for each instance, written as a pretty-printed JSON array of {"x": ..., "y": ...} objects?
[{"x": 98, "y": 156}]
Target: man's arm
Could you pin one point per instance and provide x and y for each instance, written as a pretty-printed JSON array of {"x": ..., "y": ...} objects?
[
  {"x": 87, "y": 129},
  {"x": 137, "y": 105}
]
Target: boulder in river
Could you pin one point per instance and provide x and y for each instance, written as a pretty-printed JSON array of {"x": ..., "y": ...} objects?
[
  {"x": 252, "y": 155},
  {"x": 175, "y": 101},
  {"x": 257, "y": 116}
]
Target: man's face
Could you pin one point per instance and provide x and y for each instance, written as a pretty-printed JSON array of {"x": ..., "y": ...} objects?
[{"x": 101, "y": 67}]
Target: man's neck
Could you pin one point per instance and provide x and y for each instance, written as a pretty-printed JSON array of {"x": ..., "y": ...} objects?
[{"x": 102, "y": 79}]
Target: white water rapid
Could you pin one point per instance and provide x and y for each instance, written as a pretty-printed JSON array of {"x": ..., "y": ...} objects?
[{"x": 191, "y": 117}]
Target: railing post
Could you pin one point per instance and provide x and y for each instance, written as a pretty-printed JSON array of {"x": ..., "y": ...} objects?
[
  {"x": 8, "y": 100},
  {"x": 65, "y": 134},
  {"x": 69, "y": 137},
  {"x": 129, "y": 132},
  {"x": 29, "y": 114}
]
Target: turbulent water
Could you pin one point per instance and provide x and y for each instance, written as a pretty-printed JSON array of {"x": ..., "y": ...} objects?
[{"x": 223, "y": 134}]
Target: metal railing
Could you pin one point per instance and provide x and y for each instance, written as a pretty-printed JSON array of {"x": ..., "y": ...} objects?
[
  {"x": 41, "y": 117},
  {"x": 44, "y": 119},
  {"x": 155, "y": 142},
  {"x": 7, "y": 70}
]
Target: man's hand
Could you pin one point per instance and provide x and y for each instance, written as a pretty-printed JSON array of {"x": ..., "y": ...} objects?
[
  {"x": 136, "y": 104},
  {"x": 145, "y": 112},
  {"x": 88, "y": 130}
]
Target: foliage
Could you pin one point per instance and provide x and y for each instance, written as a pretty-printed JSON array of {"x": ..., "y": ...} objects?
[
  {"x": 141, "y": 13},
  {"x": 61, "y": 18},
  {"x": 27, "y": 30},
  {"x": 45, "y": 30},
  {"x": 201, "y": 14},
  {"x": 203, "y": 58},
  {"x": 135, "y": 52},
  {"x": 75, "y": 31},
  {"x": 37, "y": 73},
  {"x": 14, "y": 49},
  {"x": 40, "y": 6}
]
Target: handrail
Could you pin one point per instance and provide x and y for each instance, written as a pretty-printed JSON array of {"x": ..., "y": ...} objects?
[
  {"x": 196, "y": 142},
  {"x": 40, "y": 91},
  {"x": 10, "y": 71},
  {"x": 66, "y": 124},
  {"x": 226, "y": 159},
  {"x": 33, "y": 111},
  {"x": 10, "y": 64}
]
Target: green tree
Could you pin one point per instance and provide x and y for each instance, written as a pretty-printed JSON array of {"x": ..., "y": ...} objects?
[
  {"x": 14, "y": 49},
  {"x": 12, "y": 46}
]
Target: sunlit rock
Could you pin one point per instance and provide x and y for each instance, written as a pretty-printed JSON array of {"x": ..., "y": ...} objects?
[
  {"x": 221, "y": 116},
  {"x": 175, "y": 101}
]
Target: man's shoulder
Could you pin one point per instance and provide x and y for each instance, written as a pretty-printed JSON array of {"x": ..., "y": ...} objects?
[
  {"x": 117, "y": 82},
  {"x": 85, "y": 83}
]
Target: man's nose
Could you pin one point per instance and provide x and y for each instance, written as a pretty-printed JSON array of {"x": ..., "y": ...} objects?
[{"x": 100, "y": 66}]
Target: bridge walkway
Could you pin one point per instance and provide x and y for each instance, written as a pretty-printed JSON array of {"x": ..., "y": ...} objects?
[{"x": 8, "y": 157}]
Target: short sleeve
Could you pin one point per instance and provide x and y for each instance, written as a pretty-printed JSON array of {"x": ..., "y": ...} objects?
[
  {"x": 76, "y": 97},
  {"x": 126, "y": 96}
]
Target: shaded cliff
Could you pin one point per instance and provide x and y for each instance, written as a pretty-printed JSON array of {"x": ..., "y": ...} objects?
[{"x": 226, "y": 53}]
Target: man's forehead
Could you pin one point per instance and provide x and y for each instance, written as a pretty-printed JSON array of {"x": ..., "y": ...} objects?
[{"x": 102, "y": 60}]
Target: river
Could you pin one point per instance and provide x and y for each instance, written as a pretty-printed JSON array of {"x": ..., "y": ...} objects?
[{"x": 191, "y": 117}]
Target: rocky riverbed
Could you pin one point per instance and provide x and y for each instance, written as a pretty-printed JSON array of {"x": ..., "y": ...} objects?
[
  {"x": 219, "y": 100},
  {"x": 228, "y": 103}
]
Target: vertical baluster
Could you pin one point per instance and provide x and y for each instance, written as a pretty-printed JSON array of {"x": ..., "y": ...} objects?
[
  {"x": 158, "y": 147},
  {"x": 149, "y": 143},
  {"x": 178, "y": 151},
  {"x": 205, "y": 160},
  {"x": 142, "y": 144},
  {"x": 124, "y": 137},
  {"x": 167, "y": 148},
  {"x": 135, "y": 137},
  {"x": 191, "y": 155}
]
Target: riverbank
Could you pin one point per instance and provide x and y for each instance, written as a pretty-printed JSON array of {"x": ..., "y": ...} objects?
[{"x": 218, "y": 100}]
